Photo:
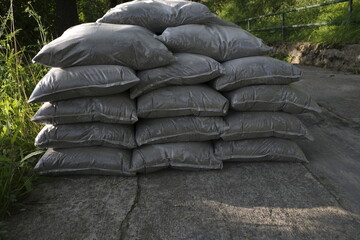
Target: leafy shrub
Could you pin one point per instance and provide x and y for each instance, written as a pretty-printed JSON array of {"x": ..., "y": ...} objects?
[{"x": 18, "y": 78}]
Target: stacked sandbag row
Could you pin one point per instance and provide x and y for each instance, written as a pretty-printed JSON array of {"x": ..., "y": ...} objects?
[
  {"x": 261, "y": 122},
  {"x": 182, "y": 118},
  {"x": 88, "y": 111},
  {"x": 178, "y": 113},
  {"x": 91, "y": 45}
]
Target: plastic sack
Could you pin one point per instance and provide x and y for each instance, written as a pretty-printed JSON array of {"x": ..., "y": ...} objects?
[
  {"x": 105, "y": 44},
  {"x": 86, "y": 134},
  {"x": 157, "y": 15},
  {"x": 245, "y": 125},
  {"x": 256, "y": 150},
  {"x": 184, "y": 156},
  {"x": 117, "y": 108},
  {"x": 254, "y": 71},
  {"x": 73, "y": 82},
  {"x": 197, "y": 100},
  {"x": 85, "y": 160},
  {"x": 221, "y": 43},
  {"x": 189, "y": 69},
  {"x": 271, "y": 98},
  {"x": 179, "y": 129}
]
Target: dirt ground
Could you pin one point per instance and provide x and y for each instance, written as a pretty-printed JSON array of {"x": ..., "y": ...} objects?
[{"x": 247, "y": 201}]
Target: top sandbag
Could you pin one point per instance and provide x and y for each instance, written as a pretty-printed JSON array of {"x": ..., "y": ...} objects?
[
  {"x": 221, "y": 43},
  {"x": 157, "y": 15},
  {"x": 105, "y": 44}
]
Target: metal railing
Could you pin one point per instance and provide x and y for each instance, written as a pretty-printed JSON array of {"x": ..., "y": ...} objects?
[{"x": 283, "y": 26}]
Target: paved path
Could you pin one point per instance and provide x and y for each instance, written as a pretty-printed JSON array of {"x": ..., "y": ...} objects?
[
  {"x": 319, "y": 200},
  {"x": 335, "y": 154}
]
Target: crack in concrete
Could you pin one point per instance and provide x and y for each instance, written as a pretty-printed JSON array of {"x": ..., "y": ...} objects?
[
  {"x": 337, "y": 199},
  {"x": 341, "y": 120},
  {"x": 226, "y": 221},
  {"x": 337, "y": 120},
  {"x": 124, "y": 226},
  {"x": 329, "y": 117}
]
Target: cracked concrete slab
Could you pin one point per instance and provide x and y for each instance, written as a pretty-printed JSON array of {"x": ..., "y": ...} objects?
[
  {"x": 85, "y": 207},
  {"x": 339, "y": 92},
  {"x": 243, "y": 201},
  {"x": 252, "y": 201},
  {"x": 334, "y": 156}
]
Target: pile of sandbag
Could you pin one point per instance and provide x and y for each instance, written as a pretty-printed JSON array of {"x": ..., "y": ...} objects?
[
  {"x": 88, "y": 110},
  {"x": 175, "y": 69},
  {"x": 262, "y": 124}
]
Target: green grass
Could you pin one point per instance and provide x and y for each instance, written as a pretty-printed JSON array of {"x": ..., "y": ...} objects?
[
  {"x": 17, "y": 152},
  {"x": 346, "y": 32},
  {"x": 343, "y": 33}
]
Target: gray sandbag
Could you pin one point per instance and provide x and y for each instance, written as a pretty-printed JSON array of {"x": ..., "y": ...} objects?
[
  {"x": 246, "y": 125},
  {"x": 271, "y": 98},
  {"x": 188, "y": 69},
  {"x": 184, "y": 156},
  {"x": 86, "y": 134},
  {"x": 178, "y": 129},
  {"x": 256, "y": 150},
  {"x": 221, "y": 43},
  {"x": 85, "y": 160},
  {"x": 105, "y": 44},
  {"x": 83, "y": 81},
  {"x": 157, "y": 15},
  {"x": 117, "y": 108},
  {"x": 256, "y": 70},
  {"x": 173, "y": 101}
]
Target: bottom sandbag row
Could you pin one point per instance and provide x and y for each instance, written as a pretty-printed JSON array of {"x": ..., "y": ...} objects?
[{"x": 150, "y": 158}]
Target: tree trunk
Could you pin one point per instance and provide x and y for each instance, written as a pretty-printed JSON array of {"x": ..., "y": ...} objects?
[{"x": 66, "y": 15}]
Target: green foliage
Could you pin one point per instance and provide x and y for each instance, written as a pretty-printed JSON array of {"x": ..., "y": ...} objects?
[
  {"x": 281, "y": 55},
  {"x": 29, "y": 35},
  {"x": 236, "y": 10},
  {"x": 90, "y": 11},
  {"x": 18, "y": 77}
]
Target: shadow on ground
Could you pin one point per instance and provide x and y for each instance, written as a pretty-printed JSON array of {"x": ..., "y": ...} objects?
[{"x": 244, "y": 201}]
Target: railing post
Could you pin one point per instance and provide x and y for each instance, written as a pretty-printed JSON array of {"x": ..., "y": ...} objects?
[
  {"x": 248, "y": 25},
  {"x": 283, "y": 33}
]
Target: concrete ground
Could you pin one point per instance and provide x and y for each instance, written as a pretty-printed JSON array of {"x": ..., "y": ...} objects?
[{"x": 248, "y": 201}]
